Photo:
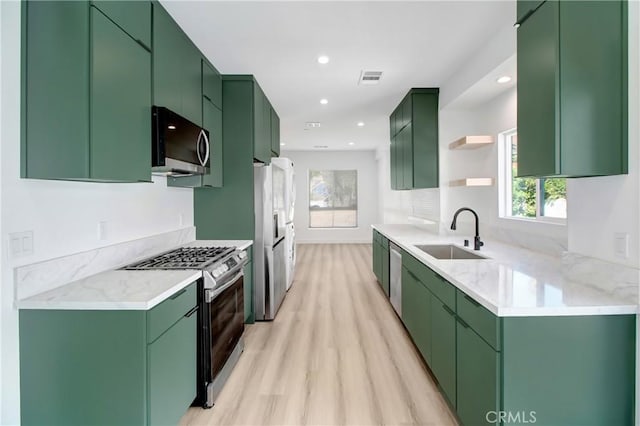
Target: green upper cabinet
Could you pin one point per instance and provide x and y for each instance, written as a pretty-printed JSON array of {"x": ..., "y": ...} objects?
[
  {"x": 414, "y": 141},
  {"x": 177, "y": 68},
  {"x": 120, "y": 103},
  {"x": 82, "y": 68},
  {"x": 572, "y": 89},
  {"x": 211, "y": 84},
  {"x": 275, "y": 133},
  {"x": 212, "y": 121},
  {"x": 132, "y": 18}
]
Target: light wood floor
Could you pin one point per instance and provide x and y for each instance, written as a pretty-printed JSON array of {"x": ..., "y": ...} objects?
[{"x": 335, "y": 355}]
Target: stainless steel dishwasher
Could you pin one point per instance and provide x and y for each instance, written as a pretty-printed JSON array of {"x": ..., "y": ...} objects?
[{"x": 395, "y": 278}]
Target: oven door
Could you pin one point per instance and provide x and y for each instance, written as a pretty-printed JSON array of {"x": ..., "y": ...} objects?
[{"x": 226, "y": 320}]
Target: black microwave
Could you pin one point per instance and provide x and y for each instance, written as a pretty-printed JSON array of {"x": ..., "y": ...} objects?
[{"x": 179, "y": 147}]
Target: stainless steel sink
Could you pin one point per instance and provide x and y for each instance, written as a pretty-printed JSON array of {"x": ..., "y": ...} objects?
[{"x": 448, "y": 251}]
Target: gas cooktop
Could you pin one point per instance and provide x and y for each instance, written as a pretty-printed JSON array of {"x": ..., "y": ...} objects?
[{"x": 184, "y": 258}]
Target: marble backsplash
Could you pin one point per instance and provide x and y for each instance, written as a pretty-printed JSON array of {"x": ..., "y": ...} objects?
[{"x": 38, "y": 277}]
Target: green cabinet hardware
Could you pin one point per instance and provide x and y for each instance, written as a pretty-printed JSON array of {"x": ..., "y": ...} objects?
[
  {"x": 524, "y": 365},
  {"x": 133, "y": 18},
  {"x": 80, "y": 67},
  {"x": 242, "y": 125},
  {"x": 414, "y": 141},
  {"x": 416, "y": 313},
  {"x": 249, "y": 317},
  {"x": 478, "y": 377},
  {"x": 443, "y": 348},
  {"x": 120, "y": 93},
  {"x": 572, "y": 89},
  {"x": 275, "y": 133},
  {"x": 80, "y": 367},
  {"x": 177, "y": 68}
]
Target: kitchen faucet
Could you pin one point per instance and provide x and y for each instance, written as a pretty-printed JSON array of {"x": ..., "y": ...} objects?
[{"x": 476, "y": 240}]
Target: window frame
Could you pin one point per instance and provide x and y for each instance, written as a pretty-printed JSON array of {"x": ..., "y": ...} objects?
[
  {"x": 505, "y": 180},
  {"x": 309, "y": 210}
]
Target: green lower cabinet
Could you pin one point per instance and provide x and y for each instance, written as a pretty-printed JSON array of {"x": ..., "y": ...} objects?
[
  {"x": 172, "y": 363},
  {"x": 80, "y": 367},
  {"x": 443, "y": 348},
  {"x": 416, "y": 313},
  {"x": 385, "y": 270},
  {"x": 377, "y": 255},
  {"x": 478, "y": 378}
]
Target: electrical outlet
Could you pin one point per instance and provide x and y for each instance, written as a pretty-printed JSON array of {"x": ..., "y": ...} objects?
[
  {"x": 621, "y": 244},
  {"x": 21, "y": 243}
]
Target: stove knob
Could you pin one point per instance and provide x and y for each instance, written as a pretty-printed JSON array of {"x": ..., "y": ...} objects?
[
  {"x": 224, "y": 268},
  {"x": 216, "y": 273},
  {"x": 242, "y": 254}
]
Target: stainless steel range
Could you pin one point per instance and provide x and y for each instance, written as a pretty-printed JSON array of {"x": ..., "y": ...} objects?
[{"x": 221, "y": 310}]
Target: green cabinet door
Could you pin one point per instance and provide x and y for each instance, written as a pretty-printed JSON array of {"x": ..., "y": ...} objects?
[
  {"x": 392, "y": 163},
  {"x": 212, "y": 121},
  {"x": 443, "y": 348},
  {"x": 55, "y": 90},
  {"x": 385, "y": 269},
  {"x": 133, "y": 17},
  {"x": 538, "y": 110},
  {"x": 172, "y": 372},
  {"x": 191, "y": 79},
  {"x": 424, "y": 137},
  {"x": 262, "y": 127},
  {"x": 275, "y": 134},
  {"x": 416, "y": 313},
  {"x": 376, "y": 260},
  {"x": 407, "y": 156},
  {"x": 167, "y": 60},
  {"x": 211, "y": 84},
  {"x": 120, "y": 104},
  {"x": 572, "y": 89},
  {"x": 478, "y": 377}
]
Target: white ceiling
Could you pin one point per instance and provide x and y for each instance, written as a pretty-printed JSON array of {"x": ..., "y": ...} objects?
[{"x": 415, "y": 44}]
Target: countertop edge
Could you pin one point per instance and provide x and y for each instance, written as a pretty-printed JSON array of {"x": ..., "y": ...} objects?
[
  {"x": 27, "y": 304},
  {"x": 622, "y": 309}
]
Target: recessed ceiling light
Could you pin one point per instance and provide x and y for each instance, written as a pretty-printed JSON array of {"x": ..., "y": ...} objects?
[
  {"x": 503, "y": 79},
  {"x": 351, "y": 143},
  {"x": 360, "y": 124},
  {"x": 324, "y": 101},
  {"x": 323, "y": 59}
]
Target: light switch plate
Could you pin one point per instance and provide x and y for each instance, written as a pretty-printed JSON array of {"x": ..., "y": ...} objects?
[
  {"x": 21, "y": 244},
  {"x": 621, "y": 244}
]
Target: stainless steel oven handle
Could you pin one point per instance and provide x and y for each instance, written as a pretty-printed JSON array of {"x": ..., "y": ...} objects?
[{"x": 210, "y": 295}]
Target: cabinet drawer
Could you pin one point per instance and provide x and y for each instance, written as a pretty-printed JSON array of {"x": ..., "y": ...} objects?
[
  {"x": 481, "y": 320},
  {"x": 167, "y": 313},
  {"x": 434, "y": 282}
]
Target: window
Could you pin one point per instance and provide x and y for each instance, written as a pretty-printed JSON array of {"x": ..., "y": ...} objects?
[
  {"x": 529, "y": 198},
  {"x": 333, "y": 198}
]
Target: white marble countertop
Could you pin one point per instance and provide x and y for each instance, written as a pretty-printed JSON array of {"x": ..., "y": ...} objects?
[
  {"x": 518, "y": 282},
  {"x": 120, "y": 289}
]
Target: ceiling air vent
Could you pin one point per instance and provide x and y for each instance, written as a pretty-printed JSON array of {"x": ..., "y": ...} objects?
[
  {"x": 368, "y": 78},
  {"x": 321, "y": 146},
  {"x": 311, "y": 125}
]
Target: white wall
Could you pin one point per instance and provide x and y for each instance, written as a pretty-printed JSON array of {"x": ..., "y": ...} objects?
[
  {"x": 362, "y": 161},
  {"x": 63, "y": 216}
]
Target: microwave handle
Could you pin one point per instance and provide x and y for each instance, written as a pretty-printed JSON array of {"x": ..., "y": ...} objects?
[{"x": 202, "y": 136}]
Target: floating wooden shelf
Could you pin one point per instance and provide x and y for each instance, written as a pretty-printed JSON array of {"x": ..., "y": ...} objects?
[
  {"x": 472, "y": 182},
  {"x": 471, "y": 142}
]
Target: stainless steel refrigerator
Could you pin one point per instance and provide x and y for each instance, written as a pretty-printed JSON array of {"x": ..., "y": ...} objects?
[
  {"x": 289, "y": 205},
  {"x": 269, "y": 281}
]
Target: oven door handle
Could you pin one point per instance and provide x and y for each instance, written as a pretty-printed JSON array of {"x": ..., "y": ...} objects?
[{"x": 210, "y": 295}]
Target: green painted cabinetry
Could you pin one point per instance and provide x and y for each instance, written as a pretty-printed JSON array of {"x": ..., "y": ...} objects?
[
  {"x": 275, "y": 133},
  {"x": 380, "y": 260},
  {"x": 212, "y": 121},
  {"x": 414, "y": 141},
  {"x": 549, "y": 370},
  {"x": 211, "y": 84},
  {"x": 249, "y": 316},
  {"x": 267, "y": 128},
  {"x": 80, "y": 67},
  {"x": 572, "y": 88},
  {"x": 103, "y": 367},
  {"x": 177, "y": 68}
]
